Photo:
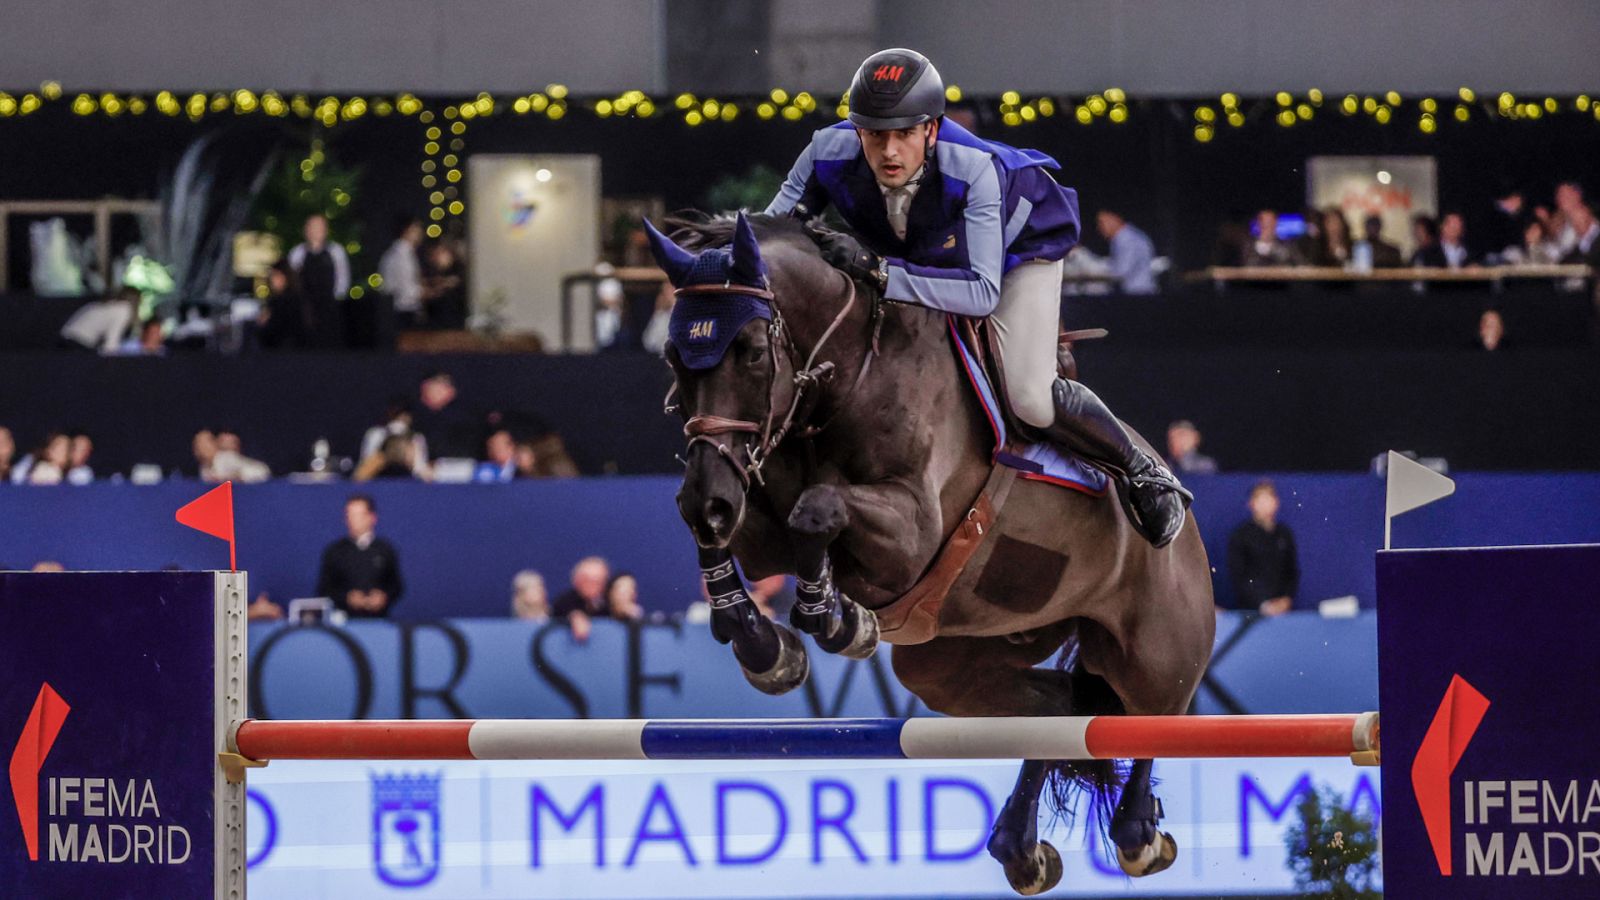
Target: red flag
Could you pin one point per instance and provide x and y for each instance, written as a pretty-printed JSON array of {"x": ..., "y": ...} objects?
[{"x": 212, "y": 513}]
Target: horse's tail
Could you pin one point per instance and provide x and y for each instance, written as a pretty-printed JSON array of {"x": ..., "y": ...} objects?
[{"x": 1098, "y": 780}]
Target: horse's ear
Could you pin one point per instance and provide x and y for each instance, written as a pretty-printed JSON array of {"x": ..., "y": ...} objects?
[
  {"x": 746, "y": 252},
  {"x": 673, "y": 260}
]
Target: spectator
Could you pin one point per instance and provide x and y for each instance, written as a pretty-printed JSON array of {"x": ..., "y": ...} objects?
[
  {"x": 1262, "y": 560},
  {"x": 8, "y": 453},
  {"x": 287, "y": 320},
  {"x": 1425, "y": 232},
  {"x": 452, "y": 432},
  {"x": 1183, "y": 450},
  {"x": 655, "y": 331},
  {"x": 1267, "y": 250},
  {"x": 586, "y": 599},
  {"x": 1491, "y": 331},
  {"x": 773, "y": 596},
  {"x": 1506, "y": 229},
  {"x": 499, "y": 463},
  {"x": 1453, "y": 241},
  {"x": 48, "y": 464},
  {"x": 396, "y": 458},
  {"x": 361, "y": 572},
  {"x": 48, "y": 565},
  {"x": 1384, "y": 254},
  {"x": 1536, "y": 249},
  {"x": 229, "y": 463},
  {"x": 551, "y": 459},
  {"x": 529, "y": 600},
  {"x": 525, "y": 459},
  {"x": 82, "y": 447},
  {"x": 1306, "y": 247},
  {"x": 397, "y": 419},
  {"x": 401, "y": 273},
  {"x": 611, "y": 329},
  {"x": 622, "y": 598},
  {"x": 1586, "y": 249},
  {"x": 322, "y": 272},
  {"x": 1564, "y": 227},
  {"x": 445, "y": 292},
  {"x": 204, "y": 448},
  {"x": 102, "y": 324},
  {"x": 1131, "y": 253},
  {"x": 262, "y": 609},
  {"x": 1333, "y": 246}
]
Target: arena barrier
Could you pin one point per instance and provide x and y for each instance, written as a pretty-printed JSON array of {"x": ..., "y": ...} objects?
[{"x": 124, "y": 706}]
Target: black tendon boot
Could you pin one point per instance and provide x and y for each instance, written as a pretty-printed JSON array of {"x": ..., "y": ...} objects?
[{"x": 1151, "y": 496}]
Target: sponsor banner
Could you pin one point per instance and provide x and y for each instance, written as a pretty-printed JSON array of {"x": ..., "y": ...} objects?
[
  {"x": 107, "y": 719},
  {"x": 1490, "y": 690},
  {"x": 739, "y": 829}
]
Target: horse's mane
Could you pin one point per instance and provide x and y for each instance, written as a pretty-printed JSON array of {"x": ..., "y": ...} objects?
[{"x": 694, "y": 230}]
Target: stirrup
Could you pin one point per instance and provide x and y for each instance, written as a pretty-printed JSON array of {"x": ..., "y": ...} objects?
[{"x": 1161, "y": 477}]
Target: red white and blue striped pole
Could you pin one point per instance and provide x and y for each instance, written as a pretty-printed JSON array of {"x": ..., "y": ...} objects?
[{"x": 1061, "y": 737}]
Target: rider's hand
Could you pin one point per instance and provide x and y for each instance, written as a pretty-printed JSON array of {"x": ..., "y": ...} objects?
[{"x": 849, "y": 255}]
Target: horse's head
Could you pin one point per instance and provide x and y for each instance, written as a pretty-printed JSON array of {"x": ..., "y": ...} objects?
[{"x": 724, "y": 353}]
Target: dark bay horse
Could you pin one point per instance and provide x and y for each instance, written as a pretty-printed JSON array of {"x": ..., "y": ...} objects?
[{"x": 836, "y": 439}]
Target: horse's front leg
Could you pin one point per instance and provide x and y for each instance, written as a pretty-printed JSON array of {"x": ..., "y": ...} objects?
[
  {"x": 839, "y": 625},
  {"x": 772, "y": 657}
]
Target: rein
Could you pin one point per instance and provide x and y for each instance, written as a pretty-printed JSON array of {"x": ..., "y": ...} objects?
[{"x": 707, "y": 429}]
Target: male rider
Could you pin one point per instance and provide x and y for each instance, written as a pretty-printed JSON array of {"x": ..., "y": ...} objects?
[{"x": 971, "y": 227}]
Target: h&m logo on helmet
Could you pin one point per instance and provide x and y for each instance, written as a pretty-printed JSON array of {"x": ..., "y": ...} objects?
[
  {"x": 405, "y": 828},
  {"x": 703, "y": 330},
  {"x": 1511, "y": 827},
  {"x": 888, "y": 73},
  {"x": 91, "y": 819}
]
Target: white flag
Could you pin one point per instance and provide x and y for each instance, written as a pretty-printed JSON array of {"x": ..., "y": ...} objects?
[{"x": 1411, "y": 485}]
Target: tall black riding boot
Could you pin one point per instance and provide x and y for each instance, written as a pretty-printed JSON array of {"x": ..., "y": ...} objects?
[{"x": 1151, "y": 496}]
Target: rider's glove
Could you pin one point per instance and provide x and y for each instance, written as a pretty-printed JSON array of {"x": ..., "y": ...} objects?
[{"x": 849, "y": 255}]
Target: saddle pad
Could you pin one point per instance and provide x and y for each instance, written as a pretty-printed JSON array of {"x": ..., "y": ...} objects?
[{"x": 1033, "y": 461}]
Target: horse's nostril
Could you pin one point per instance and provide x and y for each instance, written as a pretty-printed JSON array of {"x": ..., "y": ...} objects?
[{"x": 718, "y": 514}]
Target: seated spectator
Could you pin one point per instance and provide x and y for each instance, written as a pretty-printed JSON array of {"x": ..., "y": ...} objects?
[
  {"x": 396, "y": 420},
  {"x": 78, "y": 471},
  {"x": 204, "y": 448},
  {"x": 1491, "y": 331},
  {"x": 1130, "y": 255},
  {"x": 1425, "y": 232},
  {"x": 611, "y": 328},
  {"x": 48, "y": 565},
  {"x": 1586, "y": 246},
  {"x": 529, "y": 600},
  {"x": 499, "y": 462},
  {"x": 1262, "y": 560},
  {"x": 1183, "y": 450},
  {"x": 622, "y": 598},
  {"x": 401, "y": 272},
  {"x": 655, "y": 331},
  {"x": 1452, "y": 241},
  {"x": 360, "y": 572},
  {"x": 228, "y": 462},
  {"x": 444, "y": 294},
  {"x": 1384, "y": 254},
  {"x": 1333, "y": 244},
  {"x": 1267, "y": 250},
  {"x": 1536, "y": 248},
  {"x": 586, "y": 599},
  {"x": 101, "y": 325},
  {"x": 774, "y": 596},
  {"x": 525, "y": 460},
  {"x": 262, "y": 609},
  {"x": 396, "y": 458},
  {"x": 48, "y": 464},
  {"x": 1564, "y": 225},
  {"x": 551, "y": 459},
  {"x": 8, "y": 453}
]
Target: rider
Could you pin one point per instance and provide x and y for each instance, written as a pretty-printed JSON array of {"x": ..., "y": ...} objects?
[{"x": 971, "y": 227}]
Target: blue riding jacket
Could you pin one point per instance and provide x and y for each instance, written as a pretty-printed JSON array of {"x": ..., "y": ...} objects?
[{"x": 983, "y": 208}]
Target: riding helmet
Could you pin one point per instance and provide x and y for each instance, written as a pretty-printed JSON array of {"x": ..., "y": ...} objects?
[{"x": 896, "y": 89}]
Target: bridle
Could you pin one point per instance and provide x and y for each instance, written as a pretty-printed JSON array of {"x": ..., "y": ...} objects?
[{"x": 770, "y": 431}]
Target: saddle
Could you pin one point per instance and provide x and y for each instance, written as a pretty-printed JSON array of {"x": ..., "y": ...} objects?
[{"x": 914, "y": 617}]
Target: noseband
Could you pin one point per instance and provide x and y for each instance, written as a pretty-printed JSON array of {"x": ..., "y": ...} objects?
[{"x": 771, "y": 432}]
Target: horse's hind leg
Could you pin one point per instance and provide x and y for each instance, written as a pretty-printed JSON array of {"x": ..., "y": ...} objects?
[
  {"x": 839, "y": 624},
  {"x": 1142, "y": 847},
  {"x": 772, "y": 657}
]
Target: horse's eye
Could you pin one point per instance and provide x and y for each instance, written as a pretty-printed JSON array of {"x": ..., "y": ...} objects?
[{"x": 757, "y": 355}]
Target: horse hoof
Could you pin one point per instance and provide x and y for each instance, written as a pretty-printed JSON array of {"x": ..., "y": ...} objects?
[
  {"x": 861, "y": 624},
  {"x": 1153, "y": 857},
  {"x": 789, "y": 672},
  {"x": 1037, "y": 873}
]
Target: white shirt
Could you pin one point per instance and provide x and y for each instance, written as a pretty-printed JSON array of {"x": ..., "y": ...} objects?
[
  {"x": 341, "y": 266},
  {"x": 99, "y": 325},
  {"x": 402, "y": 276},
  {"x": 898, "y": 202},
  {"x": 1454, "y": 254},
  {"x": 1132, "y": 253}
]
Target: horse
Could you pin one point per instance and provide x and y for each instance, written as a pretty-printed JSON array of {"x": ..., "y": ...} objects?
[{"x": 836, "y": 439}]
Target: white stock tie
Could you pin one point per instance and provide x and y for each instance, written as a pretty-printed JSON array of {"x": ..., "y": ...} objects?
[{"x": 898, "y": 201}]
